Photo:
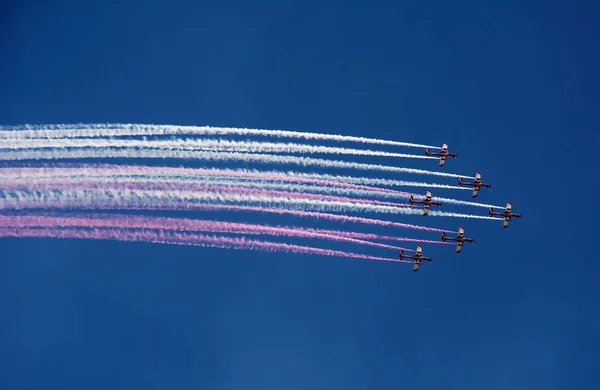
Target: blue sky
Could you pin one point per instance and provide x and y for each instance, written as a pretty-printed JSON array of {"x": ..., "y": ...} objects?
[{"x": 511, "y": 88}]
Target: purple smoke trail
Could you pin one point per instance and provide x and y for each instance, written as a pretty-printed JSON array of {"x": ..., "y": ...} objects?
[
  {"x": 183, "y": 239},
  {"x": 164, "y": 205},
  {"x": 368, "y": 236},
  {"x": 167, "y": 223}
]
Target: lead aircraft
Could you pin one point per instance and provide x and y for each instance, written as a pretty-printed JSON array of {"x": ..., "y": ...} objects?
[
  {"x": 443, "y": 154},
  {"x": 460, "y": 239},
  {"x": 418, "y": 257},
  {"x": 507, "y": 214},
  {"x": 476, "y": 184},
  {"x": 426, "y": 203}
]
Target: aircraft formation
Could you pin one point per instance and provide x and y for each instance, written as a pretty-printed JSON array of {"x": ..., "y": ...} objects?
[
  {"x": 81, "y": 196},
  {"x": 428, "y": 201}
]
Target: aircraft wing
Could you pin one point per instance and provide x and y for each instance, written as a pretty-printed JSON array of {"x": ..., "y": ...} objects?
[
  {"x": 416, "y": 265},
  {"x": 506, "y": 220},
  {"x": 508, "y": 207},
  {"x": 459, "y": 246},
  {"x": 475, "y": 191},
  {"x": 426, "y": 208},
  {"x": 442, "y": 160},
  {"x": 478, "y": 177},
  {"x": 461, "y": 231}
]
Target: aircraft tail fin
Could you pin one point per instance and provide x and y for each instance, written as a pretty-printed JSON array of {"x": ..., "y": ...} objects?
[
  {"x": 427, "y": 152},
  {"x": 401, "y": 255},
  {"x": 443, "y": 237},
  {"x": 460, "y": 182},
  {"x": 411, "y": 200},
  {"x": 491, "y": 212}
]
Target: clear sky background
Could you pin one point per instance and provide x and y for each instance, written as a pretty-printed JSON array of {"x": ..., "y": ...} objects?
[{"x": 512, "y": 88}]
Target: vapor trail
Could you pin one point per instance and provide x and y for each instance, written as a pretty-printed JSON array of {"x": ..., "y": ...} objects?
[
  {"x": 176, "y": 238},
  {"x": 193, "y": 144},
  {"x": 58, "y": 184},
  {"x": 148, "y": 172},
  {"x": 119, "y": 199},
  {"x": 464, "y": 203},
  {"x": 119, "y": 130},
  {"x": 20, "y": 201},
  {"x": 228, "y": 157},
  {"x": 375, "y": 181},
  {"x": 365, "y": 183},
  {"x": 124, "y": 221},
  {"x": 155, "y": 181}
]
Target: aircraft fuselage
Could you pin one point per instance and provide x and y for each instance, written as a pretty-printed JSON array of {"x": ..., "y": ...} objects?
[
  {"x": 459, "y": 239},
  {"x": 443, "y": 154},
  {"x": 429, "y": 202},
  {"x": 476, "y": 184},
  {"x": 505, "y": 214}
]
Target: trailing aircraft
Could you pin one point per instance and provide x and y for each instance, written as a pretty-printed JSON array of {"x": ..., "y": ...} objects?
[
  {"x": 418, "y": 257},
  {"x": 443, "y": 154},
  {"x": 476, "y": 184},
  {"x": 427, "y": 202},
  {"x": 460, "y": 239},
  {"x": 507, "y": 214}
]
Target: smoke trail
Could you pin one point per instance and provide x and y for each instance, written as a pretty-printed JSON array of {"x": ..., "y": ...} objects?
[
  {"x": 98, "y": 153},
  {"x": 178, "y": 224},
  {"x": 177, "y": 238},
  {"x": 192, "y": 144},
  {"x": 66, "y": 169},
  {"x": 368, "y": 236},
  {"x": 57, "y": 184},
  {"x": 120, "y": 130},
  {"x": 465, "y": 203},
  {"x": 119, "y": 199},
  {"x": 19, "y": 202},
  {"x": 155, "y": 181},
  {"x": 185, "y": 173},
  {"x": 375, "y": 181}
]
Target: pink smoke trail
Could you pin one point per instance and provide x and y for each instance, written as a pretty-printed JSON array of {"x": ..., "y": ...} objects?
[
  {"x": 368, "y": 236},
  {"x": 183, "y": 239},
  {"x": 164, "y": 205},
  {"x": 56, "y": 184},
  {"x": 67, "y": 168},
  {"x": 167, "y": 223}
]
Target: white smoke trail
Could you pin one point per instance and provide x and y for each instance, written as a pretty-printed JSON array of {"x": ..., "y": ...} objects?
[
  {"x": 373, "y": 181},
  {"x": 119, "y": 130},
  {"x": 19, "y": 199},
  {"x": 239, "y": 182},
  {"x": 34, "y": 181},
  {"x": 464, "y": 203},
  {"x": 86, "y": 170},
  {"x": 192, "y": 144},
  {"x": 98, "y": 153}
]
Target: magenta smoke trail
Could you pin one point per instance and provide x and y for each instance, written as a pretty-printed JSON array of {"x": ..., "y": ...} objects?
[
  {"x": 165, "y": 205},
  {"x": 149, "y": 170},
  {"x": 137, "y": 186},
  {"x": 183, "y": 239},
  {"x": 368, "y": 236},
  {"x": 166, "y": 223}
]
